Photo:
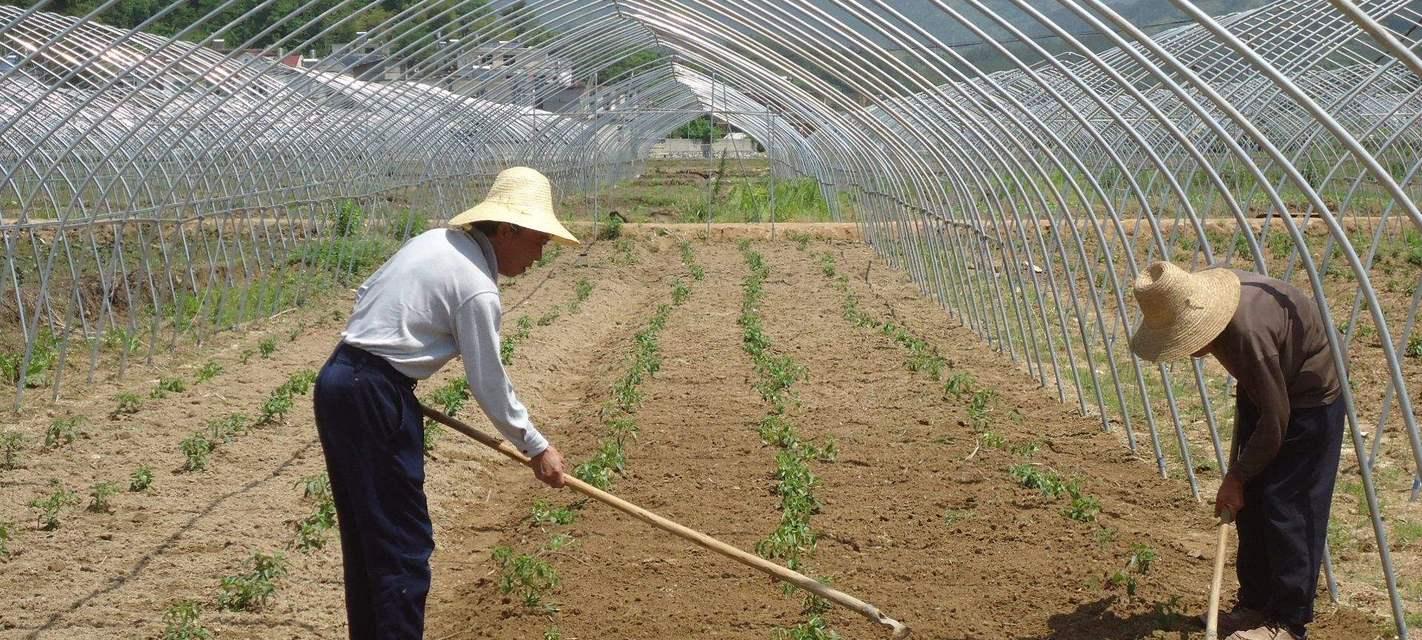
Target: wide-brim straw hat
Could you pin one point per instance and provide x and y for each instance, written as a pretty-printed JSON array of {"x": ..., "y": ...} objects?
[
  {"x": 519, "y": 196},
  {"x": 1181, "y": 312}
]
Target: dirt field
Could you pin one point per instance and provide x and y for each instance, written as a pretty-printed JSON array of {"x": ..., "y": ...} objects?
[{"x": 919, "y": 512}]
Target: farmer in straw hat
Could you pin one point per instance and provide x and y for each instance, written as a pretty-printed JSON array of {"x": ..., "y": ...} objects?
[
  {"x": 436, "y": 298},
  {"x": 1288, "y": 427}
]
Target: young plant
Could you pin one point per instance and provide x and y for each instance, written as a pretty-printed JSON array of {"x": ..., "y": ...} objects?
[
  {"x": 267, "y": 347},
  {"x": 250, "y": 591},
  {"x": 196, "y": 448},
  {"x": 1083, "y": 508},
  {"x": 528, "y": 577},
  {"x": 680, "y": 292},
  {"x": 7, "y": 532},
  {"x": 127, "y": 404},
  {"x": 311, "y": 531},
  {"x": 11, "y": 444},
  {"x": 99, "y": 495},
  {"x": 208, "y": 371},
  {"x": 180, "y": 622},
  {"x": 431, "y": 435},
  {"x": 1028, "y": 475},
  {"x": 141, "y": 478},
  {"x": 276, "y": 406},
  {"x": 958, "y": 385},
  {"x": 546, "y": 514},
  {"x": 581, "y": 290},
  {"x": 50, "y": 505},
  {"x": 62, "y": 431},
  {"x": 167, "y": 385}
]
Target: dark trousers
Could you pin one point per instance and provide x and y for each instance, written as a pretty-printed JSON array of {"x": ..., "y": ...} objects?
[
  {"x": 1284, "y": 523},
  {"x": 371, "y": 432}
]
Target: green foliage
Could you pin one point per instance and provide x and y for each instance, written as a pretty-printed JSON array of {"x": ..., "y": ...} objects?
[
  {"x": 626, "y": 254},
  {"x": 431, "y": 435},
  {"x": 208, "y": 371},
  {"x": 311, "y": 531},
  {"x": 1083, "y": 508},
  {"x": 528, "y": 577},
  {"x": 180, "y": 622},
  {"x": 680, "y": 292},
  {"x": 1032, "y": 477},
  {"x": 703, "y": 128},
  {"x": 267, "y": 347},
  {"x": 347, "y": 260},
  {"x": 62, "y": 431},
  {"x": 49, "y": 506},
  {"x": 407, "y": 224},
  {"x": 99, "y": 495},
  {"x": 226, "y": 429},
  {"x": 126, "y": 404},
  {"x": 168, "y": 385},
  {"x": 979, "y": 405},
  {"x": 510, "y": 342},
  {"x": 611, "y": 229},
  {"x": 141, "y": 478},
  {"x": 546, "y": 514},
  {"x": 954, "y": 516},
  {"x": 552, "y": 633},
  {"x": 349, "y": 218},
  {"x": 196, "y": 448},
  {"x": 7, "y": 533},
  {"x": 992, "y": 439},
  {"x": 1137, "y": 564},
  {"x": 275, "y": 407},
  {"x": 43, "y": 355},
  {"x": 250, "y": 591},
  {"x": 549, "y": 255},
  {"x": 11, "y": 444},
  {"x": 959, "y": 384},
  {"x": 581, "y": 290},
  {"x": 1414, "y": 347}
]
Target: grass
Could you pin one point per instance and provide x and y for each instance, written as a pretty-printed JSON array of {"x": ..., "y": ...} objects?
[
  {"x": 62, "y": 431},
  {"x": 49, "y": 507},
  {"x": 250, "y": 591}
]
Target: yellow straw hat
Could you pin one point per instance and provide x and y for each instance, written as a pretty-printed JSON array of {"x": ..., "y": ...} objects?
[
  {"x": 519, "y": 196},
  {"x": 1181, "y": 312}
]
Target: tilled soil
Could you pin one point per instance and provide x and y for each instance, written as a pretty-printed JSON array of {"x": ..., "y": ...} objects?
[{"x": 918, "y": 516}]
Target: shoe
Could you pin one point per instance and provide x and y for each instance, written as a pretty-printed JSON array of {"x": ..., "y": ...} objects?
[
  {"x": 1264, "y": 632},
  {"x": 1240, "y": 617}
]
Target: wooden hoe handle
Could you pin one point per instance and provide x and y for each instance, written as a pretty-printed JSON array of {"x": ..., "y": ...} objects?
[
  {"x": 899, "y": 629},
  {"x": 1212, "y": 618}
]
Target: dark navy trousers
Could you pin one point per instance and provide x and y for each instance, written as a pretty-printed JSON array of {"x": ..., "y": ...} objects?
[
  {"x": 1284, "y": 523},
  {"x": 371, "y": 432}
]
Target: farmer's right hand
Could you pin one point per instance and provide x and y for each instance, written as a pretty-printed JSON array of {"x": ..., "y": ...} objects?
[{"x": 548, "y": 467}]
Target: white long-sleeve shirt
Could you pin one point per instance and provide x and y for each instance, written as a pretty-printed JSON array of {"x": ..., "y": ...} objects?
[{"x": 436, "y": 298}]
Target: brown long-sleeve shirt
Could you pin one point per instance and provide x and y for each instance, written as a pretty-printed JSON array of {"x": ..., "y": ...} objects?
[{"x": 1276, "y": 348}]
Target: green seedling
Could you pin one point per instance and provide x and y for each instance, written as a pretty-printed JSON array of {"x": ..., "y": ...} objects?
[
  {"x": 311, "y": 531},
  {"x": 62, "y": 431},
  {"x": 196, "y": 448},
  {"x": 267, "y": 347},
  {"x": 180, "y": 622},
  {"x": 1027, "y": 449},
  {"x": 992, "y": 440},
  {"x": 959, "y": 385},
  {"x": 1028, "y": 475},
  {"x": 552, "y": 633},
  {"x": 127, "y": 404},
  {"x": 275, "y": 407},
  {"x": 432, "y": 433},
  {"x": 224, "y": 430},
  {"x": 549, "y": 256},
  {"x": 546, "y": 514},
  {"x": 245, "y": 356},
  {"x": 1083, "y": 509},
  {"x": 582, "y": 290},
  {"x": 208, "y": 371},
  {"x": 698, "y": 273},
  {"x": 99, "y": 495},
  {"x": 250, "y": 591},
  {"x": 802, "y": 241},
  {"x": 549, "y": 318},
  {"x": 166, "y": 386},
  {"x": 612, "y": 230},
  {"x": 50, "y": 505},
  {"x": 7, "y": 533},
  {"x": 12, "y": 443},
  {"x": 954, "y": 516},
  {"x": 530, "y": 578},
  {"x": 299, "y": 383},
  {"x": 1414, "y": 347},
  {"x": 979, "y": 405},
  {"x": 680, "y": 292},
  {"x": 141, "y": 478},
  {"x": 1105, "y": 536},
  {"x": 625, "y": 252}
]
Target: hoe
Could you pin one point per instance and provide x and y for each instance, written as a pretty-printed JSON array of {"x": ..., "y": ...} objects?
[{"x": 898, "y": 629}]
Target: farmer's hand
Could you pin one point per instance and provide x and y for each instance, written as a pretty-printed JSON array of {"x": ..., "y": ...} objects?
[
  {"x": 1230, "y": 496},
  {"x": 548, "y": 467}
]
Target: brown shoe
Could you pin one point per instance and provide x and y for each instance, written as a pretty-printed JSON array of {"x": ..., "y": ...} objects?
[
  {"x": 1263, "y": 632},
  {"x": 1239, "y": 618}
]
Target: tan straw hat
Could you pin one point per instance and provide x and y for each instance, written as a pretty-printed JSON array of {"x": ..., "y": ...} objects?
[
  {"x": 1181, "y": 312},
  {"x": 519, "y": 196}
]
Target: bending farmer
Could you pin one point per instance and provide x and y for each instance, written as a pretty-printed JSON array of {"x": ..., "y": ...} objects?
[
  {"x": 436, "y": 298},
  {"x": 1288, "y": 427}
]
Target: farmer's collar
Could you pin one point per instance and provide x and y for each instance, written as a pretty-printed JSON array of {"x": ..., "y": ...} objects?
[{"x": 487, "y": 247}]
